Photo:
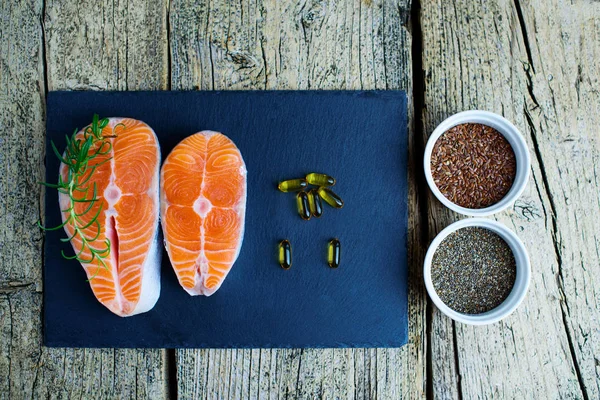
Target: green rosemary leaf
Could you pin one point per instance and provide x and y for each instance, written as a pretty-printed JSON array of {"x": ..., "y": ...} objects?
[
  {"x": 79, "y": 184},
  {"x": 103, "y": 161},
  {"x": 103, "y": 263},
  {"x": 103, "y": 123},
  {"x": 65, "y": 183},
  {"x": 60, "y": 157},
  {"x": 75, "y": 183},
  {"x": 88, "y": 176},
  {"x": 104, "y": 252},
  {"x": 82, "y": 200},
  {"x": 80, "y": 252},
  {"x": 54, "y": 228},
  {"x": 50, "y": 185},
  {"x": 68, "y": 239},
  {"x": 94, "y": 218},
  {"x": 85, "y": 261},
  {"x": 87, "y": 209},
  {"x": 85, "y": 148},
  {"x": 101, "y": 152},
  {"x": 120, "y": 124},
  {"x": 94, "y": 275},
  {"x": 80, "y": 190},
  {"x": 91, "y": 202},
  {"x": 66, "y": 257},
  {"x": 97, "y": 232}
]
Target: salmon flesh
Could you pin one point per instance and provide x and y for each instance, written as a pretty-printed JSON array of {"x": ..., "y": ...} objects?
[
  {"x": 127, "y": 205},
  {"x": 203, "y": 205}
]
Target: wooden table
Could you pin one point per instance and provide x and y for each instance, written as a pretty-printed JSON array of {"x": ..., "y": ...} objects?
[{"x": 534, "y": 61}]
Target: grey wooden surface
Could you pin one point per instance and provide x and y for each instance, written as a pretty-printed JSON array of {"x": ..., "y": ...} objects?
[{"x": 536, "y": 62}]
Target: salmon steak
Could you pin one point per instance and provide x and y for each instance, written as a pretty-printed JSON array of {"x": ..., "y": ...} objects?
[
  {"x": 203, "y": 206},
  {"x": 126, "y": 212}
]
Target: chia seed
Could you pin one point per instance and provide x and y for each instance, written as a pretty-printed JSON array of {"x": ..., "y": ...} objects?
[{"x": 473, "y": 270}]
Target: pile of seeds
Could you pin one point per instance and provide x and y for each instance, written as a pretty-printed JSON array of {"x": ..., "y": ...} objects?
[
  {"x": 308, "y": 201},
  {"x": 473, "y": 165},
  {"x": 473, "y": 270}
]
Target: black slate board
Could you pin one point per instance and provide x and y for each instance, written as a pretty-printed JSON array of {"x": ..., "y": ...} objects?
[{"x": 358, "y": 137}]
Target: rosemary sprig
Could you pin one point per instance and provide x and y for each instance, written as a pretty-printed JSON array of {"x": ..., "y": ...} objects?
[{"x": 80, "y": 151}]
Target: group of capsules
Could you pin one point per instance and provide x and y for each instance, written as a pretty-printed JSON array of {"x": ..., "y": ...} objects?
[
  {"x": 309, "y": 202},
  {"x": 334, "y": 250}
]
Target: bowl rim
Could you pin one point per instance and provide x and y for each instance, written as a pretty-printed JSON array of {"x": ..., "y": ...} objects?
[
  {"x": 510, "y": 132},
  {"x": 522, "y": 280}
]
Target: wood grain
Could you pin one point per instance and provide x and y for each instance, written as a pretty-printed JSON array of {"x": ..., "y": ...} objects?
[
  {"x": 88, "y": 45},
  {"x": 105, "y": 46},
  {"x": 301, "y": 45},
  {"x": 21, "y": 144},
  {"x": 534, "y": 61},
  {"x": 21, "y": 160},
  {"x": 531, "y": 62}
]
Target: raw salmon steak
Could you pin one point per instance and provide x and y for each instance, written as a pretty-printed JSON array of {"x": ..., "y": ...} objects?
[
  {"x": 127, "y": 193},
  {"x": 203, "y": 206}
]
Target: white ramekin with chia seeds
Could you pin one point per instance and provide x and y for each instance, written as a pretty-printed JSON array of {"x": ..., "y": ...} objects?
[
  {"x": 469, "y": 165},
  {"x": 520, "y": 263}
]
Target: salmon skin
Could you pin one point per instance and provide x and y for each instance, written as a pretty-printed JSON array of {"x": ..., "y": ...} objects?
[
  {"x": 127, "y": 205},
  {"x": 203, "y": 206}
]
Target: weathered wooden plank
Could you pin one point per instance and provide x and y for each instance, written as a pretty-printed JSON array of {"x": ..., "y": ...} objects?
[
  {"x": 21, "y": 158},
  {"x": 21, "y": 144},
  {"x": 105, "y": 46},
  {"x": 301, "y": 45},
  {"x": 530, "y": 61},
  {"x": 90, "y": 45},
  {"x": 563, "y": 118},
  {"x": 20, "y": 327}
]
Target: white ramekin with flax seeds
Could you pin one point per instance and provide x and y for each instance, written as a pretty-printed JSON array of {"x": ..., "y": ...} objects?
[{"x": 476, "y": 163}]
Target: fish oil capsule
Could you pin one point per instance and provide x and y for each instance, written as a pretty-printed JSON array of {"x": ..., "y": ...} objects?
[
  {"x": 292, "y": 185},
  {"x": 333, "y": 253},
  {"x": 314, "y": 203},
  {"x": 330, "y": 198},
  {"x": 320, "y": 179},
  {"x": 285, "y": 254},
  {"x": 302, "y": 204}
]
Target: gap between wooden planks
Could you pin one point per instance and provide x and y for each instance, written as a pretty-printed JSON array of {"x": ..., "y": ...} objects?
[{"x": 486, "y": 56}]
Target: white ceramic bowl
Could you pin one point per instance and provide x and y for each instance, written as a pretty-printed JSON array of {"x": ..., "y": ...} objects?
[
  {"x": 512, "y": 135},
  {"x": 518, "y": 291}
]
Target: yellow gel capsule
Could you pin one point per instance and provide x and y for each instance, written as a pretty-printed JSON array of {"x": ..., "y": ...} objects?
[
  {"x": 292, "y": 185},
  {"x": 320, "y": 179},
  {"x": 314, "y": 203},
  {"x": 330, "y": 198},
  {"x": 285, "y": 254},
  {"x": 303, "y": 207},
  {"x": 333, "y": 253}
]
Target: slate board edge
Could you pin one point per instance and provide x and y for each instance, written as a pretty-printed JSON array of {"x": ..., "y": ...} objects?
[{"x": 379, "y": 93}]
